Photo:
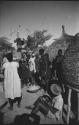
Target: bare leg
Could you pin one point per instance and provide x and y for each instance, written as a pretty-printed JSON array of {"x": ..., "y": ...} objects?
[
  {"x": 19, "y": 101},
  {"x": 11, "y": 104}
]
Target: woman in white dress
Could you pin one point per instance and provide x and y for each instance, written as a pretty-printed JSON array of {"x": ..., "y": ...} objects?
[{"x": 12, "y": 82}]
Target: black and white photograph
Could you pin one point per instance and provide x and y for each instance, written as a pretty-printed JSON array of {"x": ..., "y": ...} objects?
[{"x": 39, "y": 62}]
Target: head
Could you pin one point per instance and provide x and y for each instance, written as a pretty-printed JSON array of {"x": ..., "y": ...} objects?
[
  {"x": 46, "y": 55},
  {"x": 9, "y": 57},
  {"x": 55, "y": 90},
  {"x": 33, "y": 55},
  {"x": 60, "y": 52},
  {"x": 37, "y": 56},
  {"x": 28, "y": 56},
  {"x": 41, "y": 51}
]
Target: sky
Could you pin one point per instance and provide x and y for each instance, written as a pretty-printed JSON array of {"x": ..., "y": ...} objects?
[{"x": 38, "y": 15}]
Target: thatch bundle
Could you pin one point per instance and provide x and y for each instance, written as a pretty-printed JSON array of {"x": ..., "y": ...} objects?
[
  {"x": 70, "y": 63},
  {"x": 5, "y": 44}
]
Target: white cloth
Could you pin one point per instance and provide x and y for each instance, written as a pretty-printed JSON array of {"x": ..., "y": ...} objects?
[
  {"x": 12, "y": 82},
  {"x": 32, "y": 64},
  {"x": 57, "y": 102}
]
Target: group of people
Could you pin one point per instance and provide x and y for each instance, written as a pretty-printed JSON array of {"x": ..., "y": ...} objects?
[
  {"x": 51, "y": 103},
  {"x": 39, "y": 71},
  {"x": 35, "y": 69}
]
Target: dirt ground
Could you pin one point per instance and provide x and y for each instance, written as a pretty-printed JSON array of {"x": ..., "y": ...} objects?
[{"x": 27, "y": 99}]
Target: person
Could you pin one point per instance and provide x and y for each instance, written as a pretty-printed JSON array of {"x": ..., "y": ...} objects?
[
  {"x": 37, "y": 69},
  {"x": 32, "y": 63},
  {"x": 37, "y": 63},
  {"x": 50, "y": 105},
  {"x": 58, "y": 67},
  {"x": 32, "y": 69},
  {"x": 42, "y": 68},
  {"x": 48, "y": 70},
  {"x": 23, "y": 72},
  {"x": 12, "y": 82}
]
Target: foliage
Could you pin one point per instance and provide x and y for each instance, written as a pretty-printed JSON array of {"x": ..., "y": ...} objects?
[
  {"x": 37, "y": 38},
  {"x": 19, "y": 41},
  {"x": 30, "y": 42}
]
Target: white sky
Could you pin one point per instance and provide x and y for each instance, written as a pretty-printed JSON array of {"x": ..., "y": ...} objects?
[{"x": 38, "y": 15}]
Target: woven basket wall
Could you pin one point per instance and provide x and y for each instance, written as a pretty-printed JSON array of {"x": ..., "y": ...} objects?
[{"x": 70, "y": 64}]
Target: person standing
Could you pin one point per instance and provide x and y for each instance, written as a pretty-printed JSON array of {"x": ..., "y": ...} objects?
[
  {"x": 32, "y": 69},
  {"x": 58, "y": 67},
  {"x": 42, "y": 67},
  {"x": 48, "y": 70},
  {"x": 12, "y": 82},
  {"x": 37, "y": 69}
]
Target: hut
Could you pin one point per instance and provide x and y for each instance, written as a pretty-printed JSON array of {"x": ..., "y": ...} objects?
[
  {"x": 5, "y": 46},
  {"x": 70, "y": 46},
  {"x": 60, "y": 43}
]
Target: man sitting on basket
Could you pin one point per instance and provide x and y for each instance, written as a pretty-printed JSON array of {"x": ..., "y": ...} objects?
[{"x": 50, "y": 104}]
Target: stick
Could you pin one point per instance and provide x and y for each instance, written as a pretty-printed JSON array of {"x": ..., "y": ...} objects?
[{"x": 69, "y": 105}]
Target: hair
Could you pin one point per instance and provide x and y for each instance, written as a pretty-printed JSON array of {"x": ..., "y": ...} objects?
[
  {"x": 9, "y": 57},
  {"x": 60, "y": 51},
  {"x": 41, "y": 51}
]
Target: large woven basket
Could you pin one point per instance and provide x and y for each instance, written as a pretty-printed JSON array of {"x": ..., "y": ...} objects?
[{"x": 70, "y": 63}]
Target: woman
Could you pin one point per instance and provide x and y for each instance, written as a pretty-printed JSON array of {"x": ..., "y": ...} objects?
[{"x": 12, "y": 83}]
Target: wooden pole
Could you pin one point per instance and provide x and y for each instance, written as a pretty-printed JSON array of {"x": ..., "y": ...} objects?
[
  {"x": 69, "y": 105},
  {"x": 78, "y": 108}
]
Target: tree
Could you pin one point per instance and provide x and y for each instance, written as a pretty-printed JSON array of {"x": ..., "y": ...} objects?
[
  {"x": 37, "y": 38},
  {"x": 30, "y": 42},
  {"x": 19, "y": 43}
]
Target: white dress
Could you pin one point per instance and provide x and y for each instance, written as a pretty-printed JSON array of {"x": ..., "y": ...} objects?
[{"x": 12, "y": 82}]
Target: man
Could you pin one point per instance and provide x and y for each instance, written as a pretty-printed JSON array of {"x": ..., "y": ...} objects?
[
  {"x": 42, "y": 67},
  {"x": 58, "y": 67},
  {"x": 50, "y": 106},
  {"x": 48, "y": 70}
]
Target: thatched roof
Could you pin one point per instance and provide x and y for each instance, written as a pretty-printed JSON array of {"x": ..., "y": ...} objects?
[
  {"x": 4, "y": 43},
  {"x": 60, "y": 43},
  {"x": 64, "y": 37}
]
